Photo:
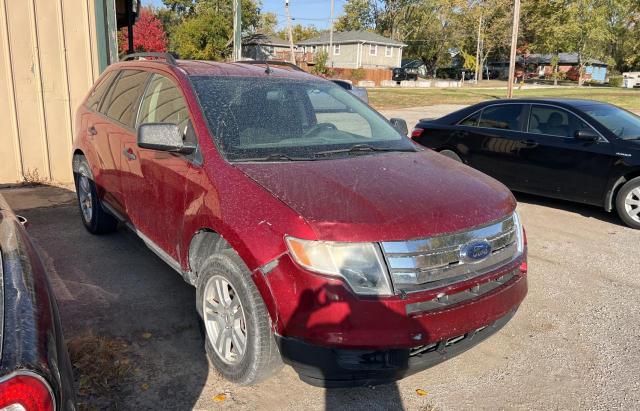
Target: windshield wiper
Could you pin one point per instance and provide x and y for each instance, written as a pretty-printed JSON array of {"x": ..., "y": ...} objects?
[
  {"x": 275, "y": 157},
  {"x": 632, "y": 138},
  {"x": 359, "y": 148}
]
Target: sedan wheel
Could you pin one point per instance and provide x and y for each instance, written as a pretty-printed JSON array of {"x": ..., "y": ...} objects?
[
  {"x": 224, "y": 320},
  {"x": 632, "y": 204},
  {"x": 628, "y": 203}
]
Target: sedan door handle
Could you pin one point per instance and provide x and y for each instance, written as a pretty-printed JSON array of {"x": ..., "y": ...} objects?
[
  {"x": 92, "y": 131},
  {"x": 128, "y": 153},
  {"x": 529, "y": 143}
]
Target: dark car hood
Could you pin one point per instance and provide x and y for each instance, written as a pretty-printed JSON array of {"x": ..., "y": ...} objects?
[{"x": 390, "y": 196}]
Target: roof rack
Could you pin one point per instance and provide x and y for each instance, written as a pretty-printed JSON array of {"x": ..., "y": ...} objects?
[
  {"x": 271, "y": 63},
  {"x": 167, "y": 56}
]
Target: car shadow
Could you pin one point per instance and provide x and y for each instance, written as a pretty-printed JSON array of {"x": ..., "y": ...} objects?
[
  {"x": 584, "y": 210},
  {"x": 120, "y": 300}
]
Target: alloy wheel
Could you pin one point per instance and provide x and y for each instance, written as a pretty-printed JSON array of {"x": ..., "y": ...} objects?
[
  {"x": 85, "y": 198},
  {"x": 632, "y": 204},
  {"x": 224, "y": 320}
]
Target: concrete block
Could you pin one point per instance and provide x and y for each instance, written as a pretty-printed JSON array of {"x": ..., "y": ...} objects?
[
  {"x": 366, "y": 83},
  {"x": 388, "y": 83}
]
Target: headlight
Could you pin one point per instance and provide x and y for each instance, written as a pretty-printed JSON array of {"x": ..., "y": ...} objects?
[
  {"x": 361, "y": 265},
  {"x": 519, "y": 232}
]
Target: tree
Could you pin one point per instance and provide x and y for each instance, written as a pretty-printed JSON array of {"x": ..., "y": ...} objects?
[
  {"x": 579, "y": 26},
  {"x": 268, "y": 23},
  {"x": 300, "y": 32},
  {"x": 358, "y": 15},
  {"x": 148, "y": 34},
  {"x": 205, "y": 30}
]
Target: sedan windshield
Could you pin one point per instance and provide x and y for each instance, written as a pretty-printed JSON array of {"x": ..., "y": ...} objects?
[
  {"x": 623, "y": 124},
  {"x": 274, "y": 119}
]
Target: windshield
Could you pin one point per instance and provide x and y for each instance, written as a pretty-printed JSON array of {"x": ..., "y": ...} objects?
[
  {"x": 622, "y": 123},
  {"x": 281, "y": 119}
]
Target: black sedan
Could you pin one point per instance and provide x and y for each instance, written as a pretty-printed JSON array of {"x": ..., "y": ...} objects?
[
  {"x": 578, "y": 150},
  {"x": 35, "y": 372}
]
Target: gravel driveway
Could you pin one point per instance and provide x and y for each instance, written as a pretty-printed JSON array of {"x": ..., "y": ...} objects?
[{"x": 574, "y": 344}]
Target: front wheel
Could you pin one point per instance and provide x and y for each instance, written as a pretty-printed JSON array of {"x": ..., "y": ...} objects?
[
  {"x": 628, "y": 203},
  {"x": 238, "y": 337}
]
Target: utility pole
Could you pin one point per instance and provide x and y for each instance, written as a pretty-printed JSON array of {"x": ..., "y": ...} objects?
[
  {"x": 478, "y": 68},
  {"x": 514, "y": 44},
  {"x": 331, "y": 36},
  {"x": 237, "y": 30},
  {"x": 293, "y": 54}
]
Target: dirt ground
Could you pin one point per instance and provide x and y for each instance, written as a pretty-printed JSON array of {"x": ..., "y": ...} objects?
[{"x": 574, "y": 343}]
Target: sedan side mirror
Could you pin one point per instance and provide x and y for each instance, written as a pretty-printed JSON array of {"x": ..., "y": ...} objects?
[
  {"x": 587, "y": 135},
  {"x": 400, "y": 125},
  {"x": 163, "y": 137}
]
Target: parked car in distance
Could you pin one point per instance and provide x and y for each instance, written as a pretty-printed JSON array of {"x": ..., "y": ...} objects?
[
  {"x": 35, "y": 372},
  {"x": 314, "y": 232},
  {"x": 359, "y": 92},
  {"x": 401, "y": 74},
  {"x": 578, "y": 150}
]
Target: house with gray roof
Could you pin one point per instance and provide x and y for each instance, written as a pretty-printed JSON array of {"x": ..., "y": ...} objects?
[
  {"x": 357, "y": 49},
  {"x": 265, "y": 47}
]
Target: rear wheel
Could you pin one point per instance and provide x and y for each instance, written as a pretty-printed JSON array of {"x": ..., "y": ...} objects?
[
  {"x": 628, "y": 203},
  {"x": 238, "y": 337},
  {"x": 94, "y": 218},
  {"x": 452, "y": 155}
]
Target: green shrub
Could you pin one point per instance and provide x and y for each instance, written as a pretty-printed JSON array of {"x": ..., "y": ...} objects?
[
  {"x": 357, "y": 75},
  {"x": 615, "y": 81}
]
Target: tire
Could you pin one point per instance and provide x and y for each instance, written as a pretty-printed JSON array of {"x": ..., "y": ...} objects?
[
  {"x": 94, "y": 218},
  {"x": 452, "y": 155},
  {"x": 260, "y": 358},
  {"x": 628, "y": 203}
]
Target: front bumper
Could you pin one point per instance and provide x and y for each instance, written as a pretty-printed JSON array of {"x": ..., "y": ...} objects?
[{"x": 335, "y": 367}]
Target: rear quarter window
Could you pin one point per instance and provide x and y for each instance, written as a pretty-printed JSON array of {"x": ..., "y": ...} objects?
[
  {"x": 99, "y": 90},
  {"x": 471, "y": 121}
]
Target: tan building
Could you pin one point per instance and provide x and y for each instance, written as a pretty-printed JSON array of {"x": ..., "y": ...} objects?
[
  {"x": 51, "y": 51},
  {"x": 357, "y": 49}
]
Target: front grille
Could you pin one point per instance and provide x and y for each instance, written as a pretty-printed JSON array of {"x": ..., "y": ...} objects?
[
  {"x": 452, "y": 299},
  {"x": 429, "y": 263}
]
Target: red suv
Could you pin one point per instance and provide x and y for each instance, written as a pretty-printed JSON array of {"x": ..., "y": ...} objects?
[{"x": 314, "y": 232}]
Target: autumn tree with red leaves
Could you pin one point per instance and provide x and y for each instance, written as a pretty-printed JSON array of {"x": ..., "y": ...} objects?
[{"x": 148, "y": 34}]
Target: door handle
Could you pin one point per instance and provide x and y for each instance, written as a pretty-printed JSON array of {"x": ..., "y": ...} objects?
[
  {"x": 92, "y": 131},
  {"x": 128, "y": 153},
  {"x": 528, "y": 143}
]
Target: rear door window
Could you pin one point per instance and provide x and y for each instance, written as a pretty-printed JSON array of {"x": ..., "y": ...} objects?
[
  {"x": 94, "y": 99},
  {"x": 502, "y": 117},
  {"x": 122, "y": 98},
  {"x": 554, "y": 121}
]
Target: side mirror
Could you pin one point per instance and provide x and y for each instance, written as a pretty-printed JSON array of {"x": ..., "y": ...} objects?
[
  {"x": 163, "y": 137},
  {"x": 400, "y": 125},
  {"x": 587, "y": 135}
]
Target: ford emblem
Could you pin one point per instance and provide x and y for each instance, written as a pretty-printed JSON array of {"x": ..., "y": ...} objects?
[{"x": 475, "y": 252}]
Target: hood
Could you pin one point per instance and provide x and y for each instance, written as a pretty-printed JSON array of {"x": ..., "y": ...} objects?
[{"x": 382, "y": 197}]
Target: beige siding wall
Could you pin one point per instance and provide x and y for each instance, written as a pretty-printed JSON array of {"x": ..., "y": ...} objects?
[{"x": 48, "y": 60}]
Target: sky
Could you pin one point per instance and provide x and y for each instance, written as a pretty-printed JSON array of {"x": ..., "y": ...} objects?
[{"x": 305, "y": 12}]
